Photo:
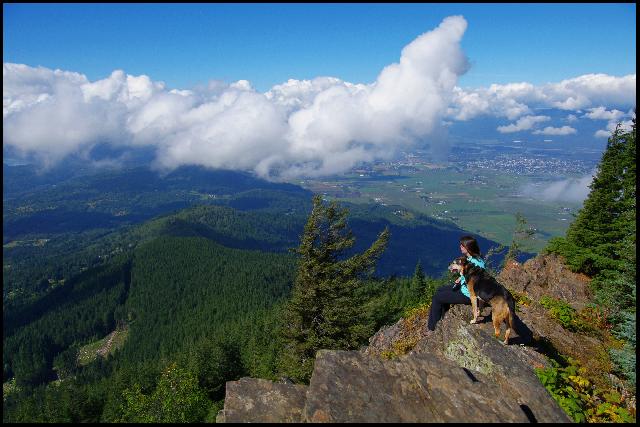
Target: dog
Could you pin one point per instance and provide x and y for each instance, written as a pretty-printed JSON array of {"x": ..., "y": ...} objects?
[{"x": 483, "y": 286}]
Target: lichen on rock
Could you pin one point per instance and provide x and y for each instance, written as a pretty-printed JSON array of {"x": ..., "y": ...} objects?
[{"x": 463, "y": 350}]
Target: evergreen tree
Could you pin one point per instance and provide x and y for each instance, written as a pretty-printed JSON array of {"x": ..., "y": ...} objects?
[
  {"x": 418, "y": 284},
  {"x": 601, "y": 242},
  {"x": 176, "y": 399},
  {"x": 521, "y": 235},
  {"x": 608, "y": 215},
  {"x": 326, "y": 305}
]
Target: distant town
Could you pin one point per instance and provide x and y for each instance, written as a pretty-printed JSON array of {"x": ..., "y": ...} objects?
[{"x": 511, "y": 164}]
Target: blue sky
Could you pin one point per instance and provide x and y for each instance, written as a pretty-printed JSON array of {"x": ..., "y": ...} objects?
[
  {"x": 185, "y": 45},
  {"x": 289, "y": 90}
]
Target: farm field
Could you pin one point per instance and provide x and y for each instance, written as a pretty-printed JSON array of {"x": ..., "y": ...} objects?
[{"x": 483, "y": 202}]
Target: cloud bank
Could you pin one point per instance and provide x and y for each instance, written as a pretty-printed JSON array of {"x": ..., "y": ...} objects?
[
  {"x": 514, "y": 100},
  {"x": 574, "y": 190},
  {"x": 550, "y": 130},
  {"x": 298, "y": 128},
  {"x": 524, "y": 123}
]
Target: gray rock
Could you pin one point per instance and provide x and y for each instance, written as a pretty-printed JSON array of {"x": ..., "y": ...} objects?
[
  {"x": 348, "y": 386},
  {"x": 547, "y": 275},
  {"x": 510, "y": 367},
  {"x": 458, "y": 373},
  {"x": 258, "y": 400}
]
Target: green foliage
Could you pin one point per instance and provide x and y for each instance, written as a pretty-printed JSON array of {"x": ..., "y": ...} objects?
[
  {"x": 176, "y": 399},
  {"x": 325, "y": 306},
  {"x": 214, "y": 363},
  {"x": 601, "y": 242},
  {"x": 579, "y": 398},
  {"x": 590, "y": 320},
  {"x": 625, "y": 359},
  {"x": 594, "y": 239},
  {"x": 561, "y": 311},
  {"x": 188, "y": 288},
  {"x": 522, "y": 234},
  {"x": 184, "y": 298},
  {"x": 66, "y": 363}
]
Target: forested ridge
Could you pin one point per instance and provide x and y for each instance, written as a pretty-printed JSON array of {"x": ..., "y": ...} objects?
[
  {"x": 200, "y": 293},
  {"x": 205, "y": 295},
  {"x": 264, "y": 217}
]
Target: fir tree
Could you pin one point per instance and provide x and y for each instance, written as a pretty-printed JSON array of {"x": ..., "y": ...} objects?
[
  {"x": 601, "y": 242},
  {"x": 418, "y": 284},
  {"x": 326, "y": 305},
  {"x": 608, "y": 216}
]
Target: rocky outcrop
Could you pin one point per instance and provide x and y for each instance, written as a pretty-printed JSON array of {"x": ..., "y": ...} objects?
[
  {"x": 257, "y": 400},
  {"x": 547, "y": 275},
  {"x": 349, "y": 386},
  {"x": 458, "y": 373}
]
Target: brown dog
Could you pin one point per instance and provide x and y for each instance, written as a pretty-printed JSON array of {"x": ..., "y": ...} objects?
[{"x": 482, "y": 285}]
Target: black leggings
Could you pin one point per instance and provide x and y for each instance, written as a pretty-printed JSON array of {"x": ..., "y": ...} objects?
[{"x": 444, "y": 296}]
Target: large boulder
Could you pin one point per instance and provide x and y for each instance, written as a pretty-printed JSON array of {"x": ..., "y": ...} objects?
[
  {"x": 510, "y": 367},
  {"x": 258, "y": 400},
  {"x": 460, "y": 372},
  {"x": 349, "y": 386},
  {"x": 547, "y": 275}
]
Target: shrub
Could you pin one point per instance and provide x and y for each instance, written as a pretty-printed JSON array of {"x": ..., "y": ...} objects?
[
  {"x": 590, "y": 320},
  {"x": 582, "y": 401}
]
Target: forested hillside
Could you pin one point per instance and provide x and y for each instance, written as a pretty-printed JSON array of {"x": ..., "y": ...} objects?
[
  {"x": 190, "y": 305},
  {"x": 57, "y": 224},
  {"x": 197, "y": 292},
  {"x": 601, "y": 242},
  {"x": 250, "y": 214}
]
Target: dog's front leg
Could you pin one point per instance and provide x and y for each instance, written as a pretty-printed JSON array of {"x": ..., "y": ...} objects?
[
  {"x": 476, "y": 311},
  {"x": 474, "y": 303}
]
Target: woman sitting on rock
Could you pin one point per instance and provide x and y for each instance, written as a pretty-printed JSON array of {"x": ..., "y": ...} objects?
[{"x": 457, "y": 293}]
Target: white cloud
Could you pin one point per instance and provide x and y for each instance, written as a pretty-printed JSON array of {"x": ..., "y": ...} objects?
[
  {"x": 524, "y": 123},
  {"x": 513, "y": 100},
  {"x": 592, "y": 90},
  {"x": 564, "y": 130},
  {"x": 50, "y": 114},
  {"x": 602, "y": 134},
  {"x": 625, "y": 126},
  {"x": 574, "y": 190},
  {"x": 315, "y": 127},
  {"x": 300, "y": 127},
  {"x": 601, "y": 113}
]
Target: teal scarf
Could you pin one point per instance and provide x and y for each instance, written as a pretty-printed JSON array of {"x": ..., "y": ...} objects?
[{"x": 479, "y": 262}]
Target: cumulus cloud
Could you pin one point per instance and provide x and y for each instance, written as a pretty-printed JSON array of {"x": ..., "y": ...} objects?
[
  {"x": 524, "y": 123},
  {"x": 513, "y": 100},
  {"x": 49, "y": 113},
  {"x": 298, "y": 128},
  {"x": 625, "y": 126},
  {"x": 564, "y": 130},
  {"x": 574, "y": 190},
  {"x": 310, "y": 127},
  {"x": 601, "y": 113}
]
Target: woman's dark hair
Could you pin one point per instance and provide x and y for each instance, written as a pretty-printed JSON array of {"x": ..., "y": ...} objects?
[{"x": 471, "y": 245}]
